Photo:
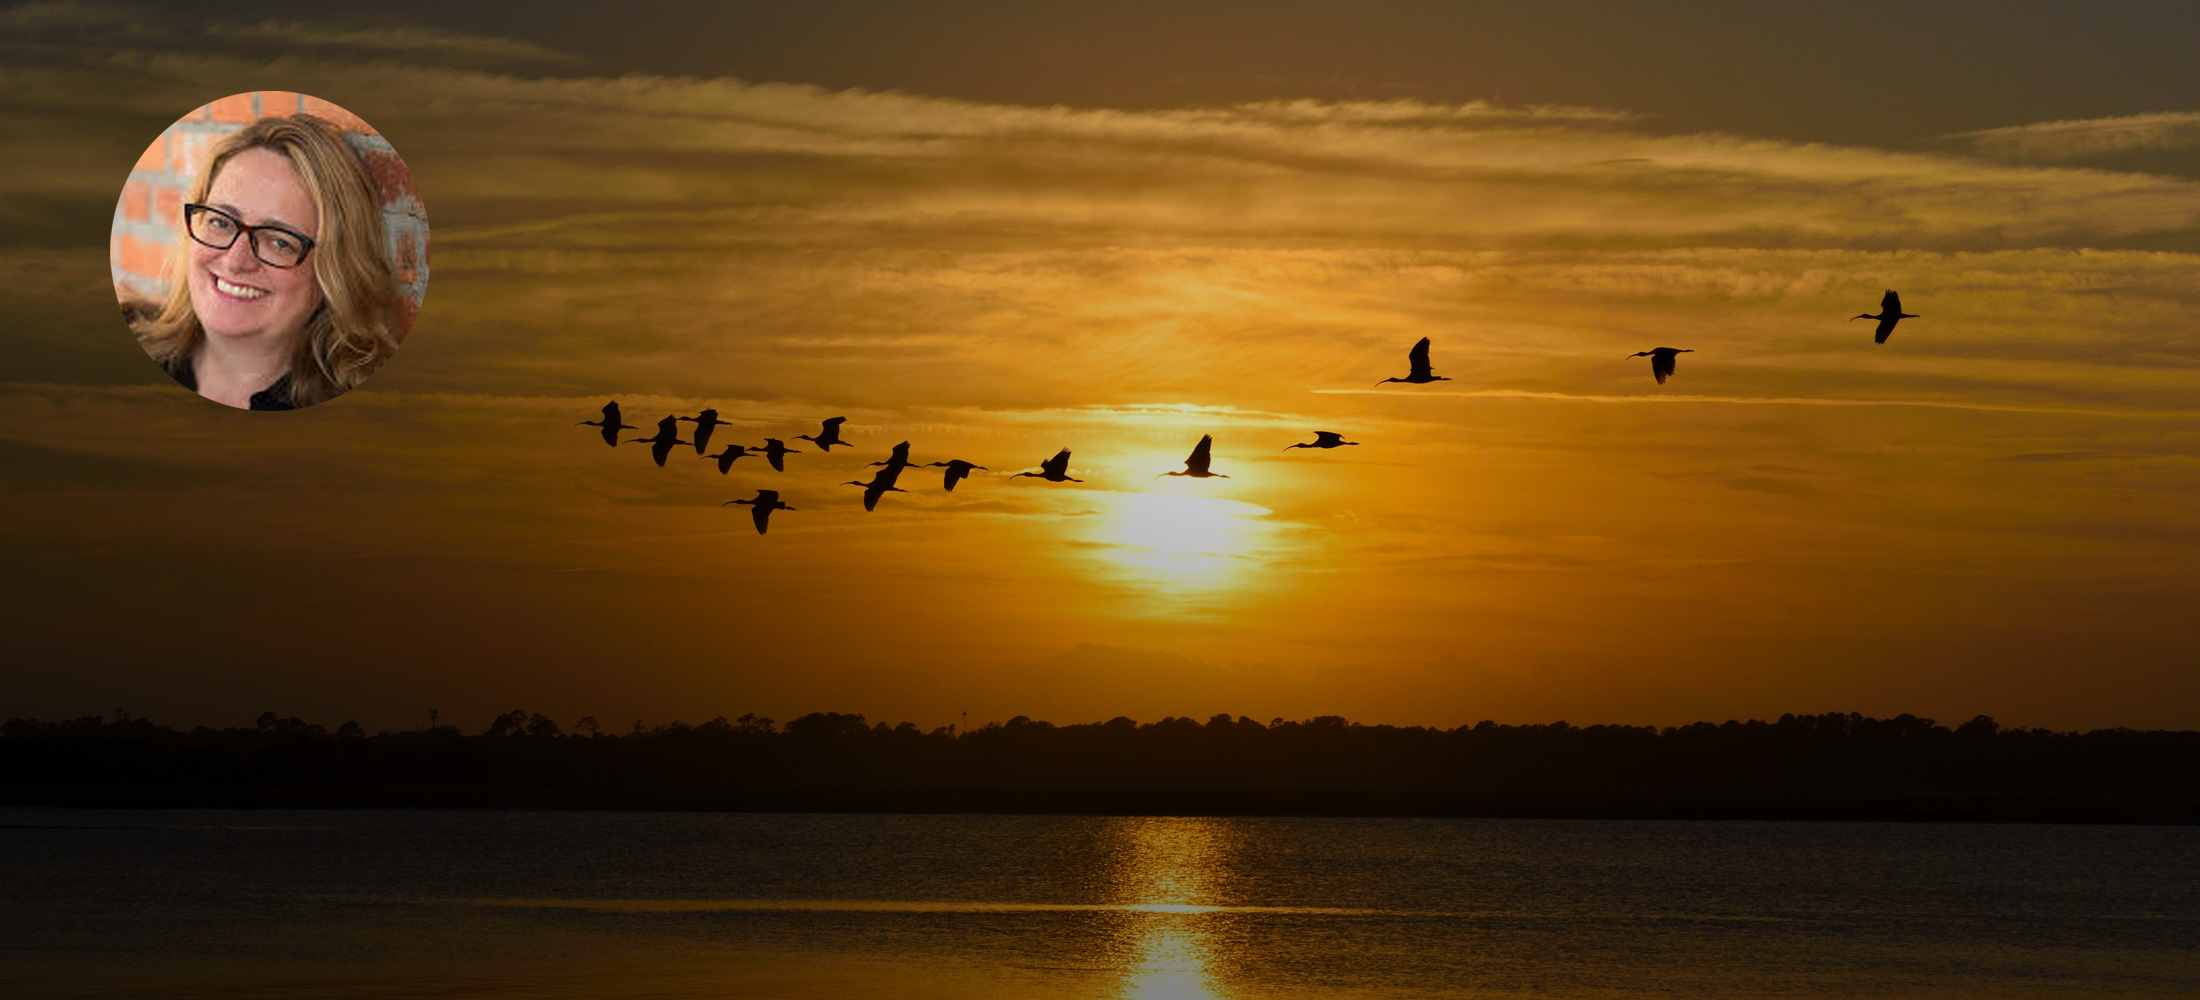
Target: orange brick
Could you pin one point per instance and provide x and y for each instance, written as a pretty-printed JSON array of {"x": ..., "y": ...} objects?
[
  {"x": 182, "y": 153},
  {"x": 155, "y": 155},
  {"x": 137, "y": 201},
  {"x": 408, "y": 258},
  {"x": 189, "y": 150},
  {"x": 234, "y": 108},
  {"x": 278, "y": 103},
  {"x": 140, "y": 257},
  {"x": 167, "y": 204},
  {"x": 336, "y": 116},
  {"x": 391, "y": 178}
]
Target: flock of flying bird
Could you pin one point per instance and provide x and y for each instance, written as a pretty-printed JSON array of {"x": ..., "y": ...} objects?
[{"x": 1199, "y": 465}]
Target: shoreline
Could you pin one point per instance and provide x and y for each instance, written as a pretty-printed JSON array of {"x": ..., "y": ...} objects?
[{"x": 1978, "y": 807}]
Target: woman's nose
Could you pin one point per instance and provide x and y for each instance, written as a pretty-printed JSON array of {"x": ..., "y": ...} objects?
[{"x": 240, "y": 256}]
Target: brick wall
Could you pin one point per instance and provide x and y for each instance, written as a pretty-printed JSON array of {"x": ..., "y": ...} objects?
[{"x": 148, "y": 216}]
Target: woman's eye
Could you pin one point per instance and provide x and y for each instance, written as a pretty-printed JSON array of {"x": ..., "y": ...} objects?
[
  {"x": 218, "y": 223},
  {"x": 284, "y": 245}
]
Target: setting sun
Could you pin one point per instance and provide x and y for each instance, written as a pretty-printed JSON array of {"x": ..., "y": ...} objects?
[{"x": 1183, "y": 545}]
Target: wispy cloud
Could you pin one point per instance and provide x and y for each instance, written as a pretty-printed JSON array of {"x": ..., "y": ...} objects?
[
  {"x": 1674, "y": 398},
  {"x": 398, "y": 41},
  {"x": 93, "y": 28},
  {"x": 1400, "y": 172},
  {"x": 64, "y": 15},
  {"x": 1465, "y": 172},
  {"x": 2088, "y": 137}
]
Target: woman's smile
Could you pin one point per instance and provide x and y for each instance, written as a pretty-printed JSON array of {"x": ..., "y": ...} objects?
[{"x": 240, "y": 292}]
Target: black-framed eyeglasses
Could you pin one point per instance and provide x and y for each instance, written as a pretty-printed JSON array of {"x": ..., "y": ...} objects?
[{"x": 275, "y": 246}]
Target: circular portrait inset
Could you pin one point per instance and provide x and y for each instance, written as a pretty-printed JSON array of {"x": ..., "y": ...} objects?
[{"x": 270, "y": 251}]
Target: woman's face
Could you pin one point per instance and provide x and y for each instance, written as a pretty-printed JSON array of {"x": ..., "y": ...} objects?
[{"x": 234, "y": 293}]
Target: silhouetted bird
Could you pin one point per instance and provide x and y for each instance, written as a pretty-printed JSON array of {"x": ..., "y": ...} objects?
[
  {"x": 610, "y": 424},
  {"x": 1202, "y": 456},
  {"x": 668, "y": 434},
  {"x": 1324, "y": 439},
  {"x": 827, "y": 437},
  {"x": 1890, "y": 313},
  {"x": 1661, "y": 359},
  {"x": 705, "y": 422},
  {"x": 776, "y": 452},
  {"x": 1421, "y": 372},
  {"x": 881, "y": 484},
  {"x": 956, "y": 468},
  {"x": 897, "y": 461},
  {"x": 726, "y": 458},
  {"x": 761, "y": 508},
  {"x": 1053, "y": 470}
]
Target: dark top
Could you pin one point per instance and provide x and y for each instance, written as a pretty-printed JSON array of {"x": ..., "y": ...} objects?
[{"x": 274, "y": 397}]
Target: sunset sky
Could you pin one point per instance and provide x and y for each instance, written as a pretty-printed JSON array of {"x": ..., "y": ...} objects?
[{"x": 998, "y": 230}]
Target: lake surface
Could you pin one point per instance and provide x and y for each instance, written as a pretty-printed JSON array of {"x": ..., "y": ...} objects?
[{"x": 403, "y": 903}]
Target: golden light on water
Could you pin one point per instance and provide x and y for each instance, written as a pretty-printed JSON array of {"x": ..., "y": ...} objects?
[
  {"x": 1168, "y": 884},
  {"x": 1171, "y": 961}
]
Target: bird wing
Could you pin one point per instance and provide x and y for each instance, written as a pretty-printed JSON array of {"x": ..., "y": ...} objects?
[
  {"x": 762, "y": 515},
  {"x": 1058, "y": 465},
  {"x": 955, "y": 472},
  {"x": 1419, "y": 357},
  {"x": 1886, "y": 326},
  {"x": 1891, "y": 303},
  {"x": 1661, "y": 365},
  {"x": 832, "y": 424},
  {"x": 611, "y": 412},
  {"x": 1327, "y": 437},
  {"x": 901, "y": 453},
  {"x": 1202, "y": 454},
  {"x": 766, "y": 497}
]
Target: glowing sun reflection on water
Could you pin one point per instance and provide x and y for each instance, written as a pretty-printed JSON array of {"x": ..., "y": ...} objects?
[{"x": 1169, "y": 876}]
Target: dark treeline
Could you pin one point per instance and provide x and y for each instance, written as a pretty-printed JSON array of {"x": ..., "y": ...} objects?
[{"x": 1289, "y": 766}]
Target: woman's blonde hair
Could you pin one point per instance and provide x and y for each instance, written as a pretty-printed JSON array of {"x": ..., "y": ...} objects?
[{"x": 349, "y": 334}]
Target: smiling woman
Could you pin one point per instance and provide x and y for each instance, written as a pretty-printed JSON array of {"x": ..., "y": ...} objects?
[{"x": 283, "y": 279}]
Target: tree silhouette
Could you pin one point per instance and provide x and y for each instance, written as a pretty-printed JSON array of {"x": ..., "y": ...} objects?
[{"x": 1830, "y": 755}]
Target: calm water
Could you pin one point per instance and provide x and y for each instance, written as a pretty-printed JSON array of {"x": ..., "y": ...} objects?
[{"x": 543, "y": 904}]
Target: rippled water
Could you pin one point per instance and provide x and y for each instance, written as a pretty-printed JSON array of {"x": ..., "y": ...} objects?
[{"x": 375, "y": 903}]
